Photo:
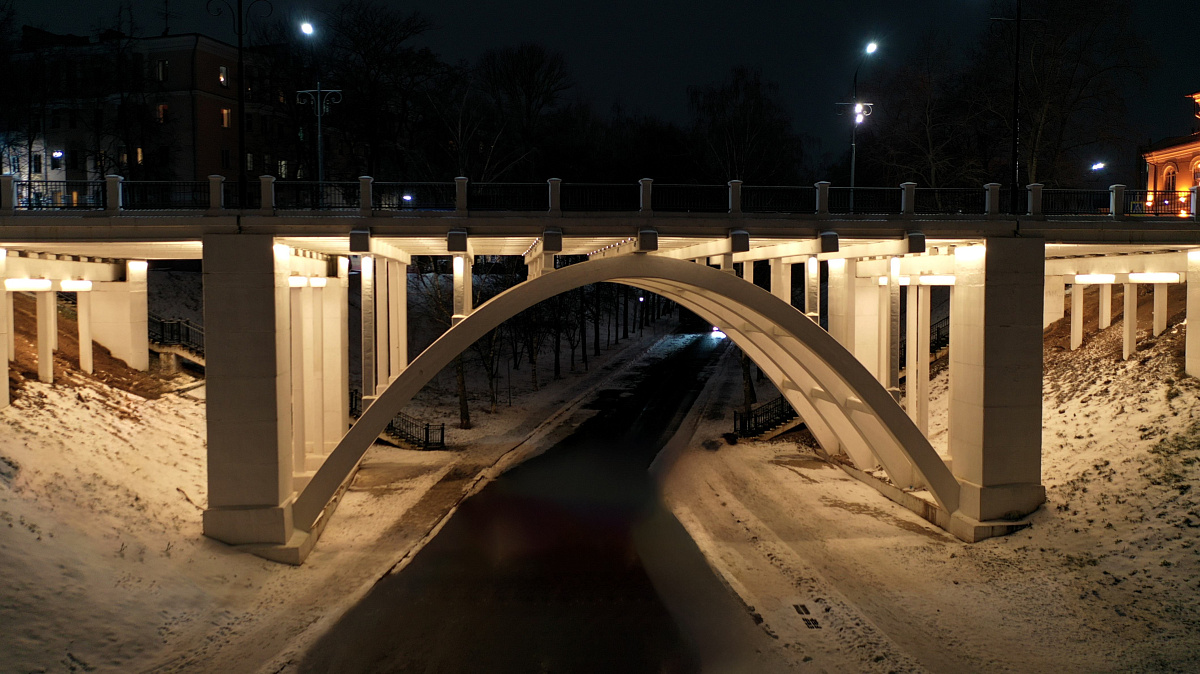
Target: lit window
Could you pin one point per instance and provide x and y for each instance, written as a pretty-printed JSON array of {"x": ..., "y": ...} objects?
[
  {"x": 139, "y": 156},
  {"x": 162, "y": 113},
  {"x": 225, "y": 116},
  {"x": 283, "y": 168},
  {"x": 1168, "y": 183},
  {"x": 1196, "y": 175},
  {"x": 223, "y": 76},
  {"x": 56, "y": 160},
  {"x": 249, "y": 162},
  {"x": 162, "y": 70}
]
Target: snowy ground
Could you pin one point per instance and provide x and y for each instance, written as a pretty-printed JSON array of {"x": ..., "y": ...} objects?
[{"x": 103, "y": 567}]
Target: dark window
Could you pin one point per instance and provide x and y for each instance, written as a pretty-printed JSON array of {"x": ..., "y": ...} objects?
[
  {"x": 37, "y": 163},
  {"x": 225, "y": 158},
  {"x": 55, "y": 121},
  {"x": 73, "y": 120}
]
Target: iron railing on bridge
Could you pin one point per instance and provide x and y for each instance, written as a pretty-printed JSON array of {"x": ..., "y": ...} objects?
[
  {"x": 866, "y": 200},
  {"x": 939, "y": 338},
  {"x": 762, "y": 199},
  {"x": 406, "y": 428},
  {"x": 763, "y": 418},
  {"x": 176, "y": 332},
  {"x": 690, "y": 198},
  {"x": 231, "y": 199},
  {"x": 508, "y": 196},
  {"x": 413, "y": 196},
  {"x": 164, "y": 195},
  {"x": 311, "y": 195},
  {"x": 39, "y": 195},
  {"x": 1076, "y": 202},
  {"x": 1158, "y": 203},
  {"x": 594, "y": 197},
  {"x": 949, "y": 201}
]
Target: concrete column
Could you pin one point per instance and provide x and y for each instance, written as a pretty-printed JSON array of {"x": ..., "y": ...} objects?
[
  {"x": 112, "y": 194},
  {"x": 367, "y": 322},
  {"x": 822, "y": 197},
  {"x": 735, "y": 196},
  {"x": 889, "y": 321},
  {"x": 266, "y": 186},
  {"x": 54, "y": 321},
  {"x": 992, "y": 198},
  {"x": 462, "y": 286},
  {"x": 908, "y": 198},
  {"x": 460, "y": 194},
  {"x": 366, "y": 197},
  {"x": 1034, "y": 192},
  {"x": 310, "y": 316},
  {"x": 382, "y": 326},
  {"x": 216, "y": 194},
  {"x": 1129, "y": 322},
  {"x": 5, "y": 351},
  {"x": 1076, "y": 315},
  {"x": 296, "y": 366},
  {"x": 8, "y": 194},
  {"x": 1054, "y": 302},
  {"x": 841, "y": 300},
  {"x": 83, "y": 311},
  {"x": 647, "y": 201},
  {"x": 921, "y": 394},
  {"x": 727, "y": 263},
  {"x": 399, "y": 294},
  {"x": 911, "y": 351},
  {"x": 1116, "y": 201},
  {"x": 396, "y": 315},
  {"x": 555, "y": 187},
  {"x": 1191, "y": 346},
  {"x": 12, "y": 333},
  {"x": 247, "y": 326},
  {"x": 45, "y": 335},
  {"x": 336, "y": 358},
  {"x": 866, "y": 322},
  {"x": 1105, "y": 305},
  {"x": 996, "y": 377},
  {"x": 1160, "y": 308},
  {"x": 119, "y": 316},
  {"x": 812, "y": 289},
  {"x": 781, "y": 280}
]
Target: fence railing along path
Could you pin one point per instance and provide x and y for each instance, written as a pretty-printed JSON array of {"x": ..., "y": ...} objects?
[{"x": 406, "y": 428}]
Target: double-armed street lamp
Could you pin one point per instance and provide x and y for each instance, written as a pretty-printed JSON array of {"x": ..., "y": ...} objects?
[
  {"x": 321, "y": 100},
  {"x": 861, "y": 111}
]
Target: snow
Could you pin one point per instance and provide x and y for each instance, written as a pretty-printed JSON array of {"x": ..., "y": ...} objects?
[{"x": 103, "y": 566}]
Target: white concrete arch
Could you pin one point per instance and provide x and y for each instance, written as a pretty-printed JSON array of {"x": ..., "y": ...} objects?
[{"x": 825, "y": 382}]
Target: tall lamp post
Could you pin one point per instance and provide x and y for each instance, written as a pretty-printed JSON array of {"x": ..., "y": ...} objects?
[
  {"x": 321, "y": 100},
  {"x": 861, "y": 112},
  {"x": 239, "y": 27},
  {"x": 1014, "y": 188}
]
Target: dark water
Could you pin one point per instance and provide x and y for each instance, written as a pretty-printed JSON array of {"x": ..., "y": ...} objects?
[{"x": 546, "y": 569}]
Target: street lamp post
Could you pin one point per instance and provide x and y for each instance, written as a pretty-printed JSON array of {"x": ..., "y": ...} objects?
[
  {"x": 861, "y": 111},
  {"x": 239, "y": 27},
  {"x": 321, "y": 100}
]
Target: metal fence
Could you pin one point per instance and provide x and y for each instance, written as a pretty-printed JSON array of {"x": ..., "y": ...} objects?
[
  {"x": 949, "y": 201},
  {"x": 413, "y": 196},
  {"x": 763, "y": 418},
  {"x": 1158, "y": 203},
  {"x": 865, "y": 200},
  {"x": 1076, "y": 202},
  {"x": 39, "y": 195},
  {"x": 508, "y": 196},
  {"x": 405, "y": 428},
  {"x": 176, "y": 332},
  {"x": 592, "y": 197},
  {"x": 161, "y": 195},
  {"x": 323, "y": 196},
  {"x": 760, "y": 199},
  {"x": 253, "y": 195},
  {"x": 690, "y": 198}
]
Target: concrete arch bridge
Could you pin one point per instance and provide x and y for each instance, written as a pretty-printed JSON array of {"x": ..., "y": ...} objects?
[{"x": 277, "y": 334}]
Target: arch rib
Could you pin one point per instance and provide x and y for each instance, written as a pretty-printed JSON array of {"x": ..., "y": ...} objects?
[{"x": 812, "y": 355}]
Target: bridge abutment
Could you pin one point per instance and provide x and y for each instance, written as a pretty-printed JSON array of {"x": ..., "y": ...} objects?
[
  {"x": 120, "y": 311},
  {"x": 996, "y": 377}
]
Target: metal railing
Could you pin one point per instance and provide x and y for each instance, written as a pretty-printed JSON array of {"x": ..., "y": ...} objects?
[
  {"x": 406, "y": 428},
  {"x": 761, "y": 199},
  {"x": 253, "y": 195},
  {"x": 41, "y": 195},
  {"x": 865, "y": 200},
  {"x": 508, "y": 197},
  {"x": 593, "y": 197},
  {"x": 1076, "y": 202},
  {"x": 949, "y": 201},
  {"x": 939, "y": 338},
  {"x": 176, "y": 332},
  {"x": 326, "y": 196},
  {"x": 1158, "y": 203},
  {"x": 763, "y": 418},
  {"x": 690, "y": 198},
  {"x": 163, "y": 195},
  {"x": 413, "y": 196}
]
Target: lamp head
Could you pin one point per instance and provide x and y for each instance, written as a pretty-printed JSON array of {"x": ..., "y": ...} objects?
[
  {"x": 306, "y": 28},
  {"x": 871, "y": 47}
]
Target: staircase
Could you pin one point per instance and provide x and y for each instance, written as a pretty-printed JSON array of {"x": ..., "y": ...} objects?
[
  {"x": 766, "y": 420},
  {"x": 405, "y": 429},
  {"x": 177, "y": 336}
]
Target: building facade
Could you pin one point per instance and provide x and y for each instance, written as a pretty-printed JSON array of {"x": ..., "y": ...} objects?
[{"x": 1173, "y": 164}]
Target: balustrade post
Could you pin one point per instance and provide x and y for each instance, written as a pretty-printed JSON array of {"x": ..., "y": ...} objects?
[
  {"x": 216, "y": 194},
  {"x": 646, "y": 204},
  {"x": 365, "y": 196},
  {"x": 735, "y": 196},
  {"x": 555, "y": 185},
  {"x": 8, "y": 195},
  {"x": 908, "y": 198},
  {"x": 1116, "y": 201},
  {"x": 992, "y": 199},
  {"x": 822, "y": 197},
  {"x": 1035, "y": 200},
  {"x": 267, "y": 185},
  {"x": 1195, "y": 190},
  {"x": 460, "y": 195},
  {"x": 112, "y": 194}
]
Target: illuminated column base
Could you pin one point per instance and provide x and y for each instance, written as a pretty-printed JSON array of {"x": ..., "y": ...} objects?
[
  {"x": 45, "y": 335},
  {"x": 1192, "y": 336},
  {"x": 841, "y": 301},
  {"x": 1105, "y": 305},
  {"x": 83, "y": 310},
  {"x": 1054, "y": 300},
  {"x": 336, "y": 360},
  {"x": 119, "y": 316},
  {"x": 463, "y": 287},
  {"x": 781, "y": 280},
  {"x": 812, "y": 289},
  {"x": 1129, "y": 322},
  {"x": 1077, "y": 291},
  {"x": 1160, "y": 308}
]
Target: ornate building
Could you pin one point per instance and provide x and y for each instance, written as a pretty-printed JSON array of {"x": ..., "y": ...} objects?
[{"x": 1173, "y": 164}]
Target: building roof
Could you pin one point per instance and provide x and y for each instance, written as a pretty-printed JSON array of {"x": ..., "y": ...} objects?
[{"x": 1168, "y": 143}]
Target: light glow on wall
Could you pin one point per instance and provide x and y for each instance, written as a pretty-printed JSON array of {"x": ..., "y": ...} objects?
[
  {"x": 138, "y": 266},
  {"x": 1101, "y": 279},
  {"x": 27, "y": 284},
  {"x": 74, "y": 286},
  {"x": 936, "y": 280},
  {"x": 297, "y": 282},
  {"x": 317, "y": 282},
  {"x": 1154, "y": 277}
]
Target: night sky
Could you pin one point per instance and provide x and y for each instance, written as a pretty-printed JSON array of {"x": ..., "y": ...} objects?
[{"x": 644, "y": 54}]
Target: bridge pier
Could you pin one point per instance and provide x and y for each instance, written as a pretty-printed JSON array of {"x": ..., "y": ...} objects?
[
  {"x": 1192, "y": 336},
  {"x": 996, "y": 377},
  {"x": 841, "y": 287},
  {"x": 120, "y": 316},
  {"x": 1054, "y": 300}
]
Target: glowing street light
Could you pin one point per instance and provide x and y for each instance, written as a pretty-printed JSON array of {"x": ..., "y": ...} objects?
[
  {"x": 872, "y": 47},
  {"x": 306, "y": 28},
  {"x": 861, "y": 112},
  {"x": 1098, "y": 166},
  {"x": 321, "y": 100}
]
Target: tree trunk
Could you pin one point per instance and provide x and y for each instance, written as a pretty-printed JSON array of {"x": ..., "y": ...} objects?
[
  {"x": 557, "y": 349},
  {"x": 748, "y": 394},
  {"x": 624, "y": 312},
  {"x": 464, "y": 412},
  {"x": 596, "y": 321}
]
